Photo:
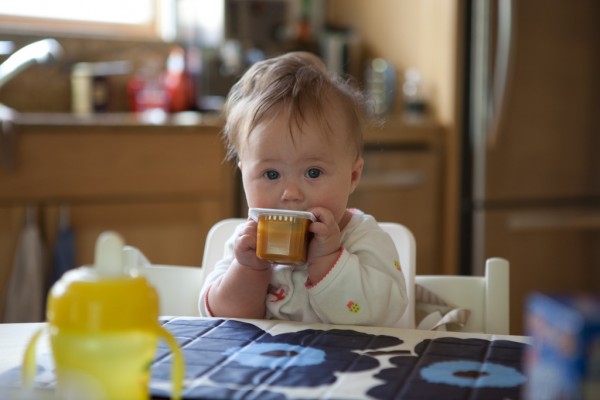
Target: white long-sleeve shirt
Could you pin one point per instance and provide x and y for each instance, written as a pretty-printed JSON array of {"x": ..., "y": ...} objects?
[{"x": 365, "y": 286}]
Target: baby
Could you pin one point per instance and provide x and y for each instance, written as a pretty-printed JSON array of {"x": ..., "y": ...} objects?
[{"x": 296, "y": 134}]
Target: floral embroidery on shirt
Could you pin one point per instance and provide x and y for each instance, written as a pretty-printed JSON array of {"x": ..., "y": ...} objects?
[
  {"x": 277, "y": 294},
  {"x": 353, "y": 307}
]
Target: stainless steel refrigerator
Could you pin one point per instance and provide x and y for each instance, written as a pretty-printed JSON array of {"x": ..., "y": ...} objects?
[{"x": 531, "y": 145}]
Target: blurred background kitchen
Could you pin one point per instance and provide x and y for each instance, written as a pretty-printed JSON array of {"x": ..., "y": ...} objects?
[{"x": 488, "y": 147}]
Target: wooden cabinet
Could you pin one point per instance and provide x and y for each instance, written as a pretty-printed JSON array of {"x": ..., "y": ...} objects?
[
  {"x": 161, "y": 187},
  {"x": 402, "y": 183}
]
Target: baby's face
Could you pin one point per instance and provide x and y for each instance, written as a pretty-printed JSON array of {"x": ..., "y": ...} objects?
[{"x": 298, "y": 173}]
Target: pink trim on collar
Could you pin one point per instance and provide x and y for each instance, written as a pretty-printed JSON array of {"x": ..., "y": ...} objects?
[{"x": 308, "y": 284}]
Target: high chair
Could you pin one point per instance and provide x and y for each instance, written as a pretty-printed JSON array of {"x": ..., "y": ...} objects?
[{"x": 485, "y": 297}]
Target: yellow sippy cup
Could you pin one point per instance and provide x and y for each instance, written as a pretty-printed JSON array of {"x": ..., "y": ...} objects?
[{"x": 103, "y": 327}]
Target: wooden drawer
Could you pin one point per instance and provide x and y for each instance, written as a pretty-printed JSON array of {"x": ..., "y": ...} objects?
[
  {"x": 74, "y": 162},
  {"x": 404, "y": 186}
]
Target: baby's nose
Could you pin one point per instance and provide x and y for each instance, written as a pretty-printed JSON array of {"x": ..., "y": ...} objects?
[{"x": 292, "y": 192}]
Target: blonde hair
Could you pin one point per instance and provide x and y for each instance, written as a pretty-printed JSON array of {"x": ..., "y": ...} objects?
[{"x": 296, "y": 82}]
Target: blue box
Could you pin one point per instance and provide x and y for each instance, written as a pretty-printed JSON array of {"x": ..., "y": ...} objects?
[{"x": 563, "y": 361}]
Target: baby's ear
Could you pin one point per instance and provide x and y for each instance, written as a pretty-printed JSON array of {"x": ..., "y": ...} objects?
[
  {"x": 356, "y": 173},
  {"x": 239, "y": 164}
]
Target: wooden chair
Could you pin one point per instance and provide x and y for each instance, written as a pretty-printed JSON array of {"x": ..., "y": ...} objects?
[
  {"x": 486, "y": 297},
  {"x": 402, "y": 237}
]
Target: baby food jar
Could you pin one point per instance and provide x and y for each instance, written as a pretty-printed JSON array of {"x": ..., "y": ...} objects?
[
  {"x": 283, "y": 235},
  {"x": 104, "y": 329}
]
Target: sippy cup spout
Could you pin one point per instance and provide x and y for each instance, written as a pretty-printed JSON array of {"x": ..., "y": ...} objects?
[{"x": 109, "y": 259}]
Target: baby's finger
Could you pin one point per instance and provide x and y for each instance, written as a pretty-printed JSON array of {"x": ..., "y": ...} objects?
[{"x": 322, "y": 215}]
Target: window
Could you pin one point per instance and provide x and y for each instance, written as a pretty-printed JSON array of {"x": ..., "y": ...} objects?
[{"x": 137, "y": 18}]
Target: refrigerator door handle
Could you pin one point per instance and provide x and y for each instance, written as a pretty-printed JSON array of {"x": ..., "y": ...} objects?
[
  {"x": 529, "y": 221},
  {"x": 479, "y": 93},
  {"x": 502, "y": 69},
  {"x": 488, "y": 92}
]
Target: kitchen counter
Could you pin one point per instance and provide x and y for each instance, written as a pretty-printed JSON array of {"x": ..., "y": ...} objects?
[
  {"x": 398, "y": 130},
  {"x": 156, "y": 118},
  {"x": 395, "y": 130}
]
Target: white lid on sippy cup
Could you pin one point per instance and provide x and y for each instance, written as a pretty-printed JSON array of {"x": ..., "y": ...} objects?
[{"x": 109, "y": 258}]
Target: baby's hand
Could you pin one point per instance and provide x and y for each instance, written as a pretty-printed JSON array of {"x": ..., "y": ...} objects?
[
  {"x": 327, "y": 236},
  {"x": 244, "y": 247}
]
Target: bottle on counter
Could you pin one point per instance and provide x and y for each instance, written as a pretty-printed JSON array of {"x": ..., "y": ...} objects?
[
  {"x": 380, "y": 78},
  {"x": 178, "y": 83},
  {"x": 146, "y": 89},
  {"x": 90, "y": 88},
  {"x": 413, "y": 92}
]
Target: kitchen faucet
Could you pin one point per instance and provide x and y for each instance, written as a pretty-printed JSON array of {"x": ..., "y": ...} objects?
[{"x": 41, "y": 51}]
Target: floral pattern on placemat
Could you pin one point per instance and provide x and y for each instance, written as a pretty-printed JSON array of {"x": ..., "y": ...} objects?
[
  {"x": 455, "y": 368},
  {"x": 230, "y": 359}
]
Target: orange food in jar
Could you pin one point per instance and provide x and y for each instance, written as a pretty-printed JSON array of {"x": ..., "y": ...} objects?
[{"x": 282, "y": 239}]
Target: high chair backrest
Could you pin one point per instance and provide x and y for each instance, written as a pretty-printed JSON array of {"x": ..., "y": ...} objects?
[
  {"x": 486, "y": 297},
  {"x": 214, "y": 247},
  {"x": 177, "y": 286},
  {"x": 407, "y": 251},
  {"x": 402, "y": 237}
]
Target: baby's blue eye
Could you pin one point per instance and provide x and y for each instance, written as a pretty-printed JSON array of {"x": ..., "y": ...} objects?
[
  {"x": 271, "y": 175},
  {"x": 313, "y": 173}
]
